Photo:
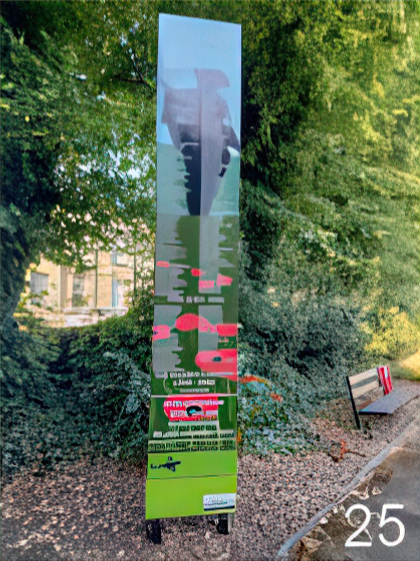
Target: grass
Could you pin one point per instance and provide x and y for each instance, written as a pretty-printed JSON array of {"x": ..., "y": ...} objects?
[{"x": 408, "y": 368}]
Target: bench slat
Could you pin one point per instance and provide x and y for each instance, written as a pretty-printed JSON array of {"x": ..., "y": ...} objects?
[
  {"x": 357, "y": 392},
  {"x": 390, "y": 402},
  {"x": 363, "y": 376}
]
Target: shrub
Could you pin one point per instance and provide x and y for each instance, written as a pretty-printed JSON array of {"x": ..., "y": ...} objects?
[
  {"x": 69, "y": 391},
  {"x": 318, "y": 337},
  {"x": 297, "y": 345},
  {"x": 268, "y": 419},
  {"x": 393, "y": 334},
  {"x": 110, "y": 364},
  {"x": 39, "y": 425}
]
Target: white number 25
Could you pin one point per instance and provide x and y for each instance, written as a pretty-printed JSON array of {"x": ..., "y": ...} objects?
[{"x": 383, "y": 520}]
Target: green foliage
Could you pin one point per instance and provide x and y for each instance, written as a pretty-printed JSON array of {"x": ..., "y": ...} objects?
[
  {"x": 70, "y": 391},
  {"x": 110, "y": 365},
  {"x": 342, "y": 221},
  {"x": 269, "y": 422},
  {"x": 326, "y": 118},
  {"x": 32, "y": 90},
  {"x": 372, "y": 74},
  {"x": 41, "y": 424},
  {"x": 393, "y": 335},
  {"x": 31, "y": 350},
  {"x": 309, "y": 333},
  {"x": 330, "y": 206},
  {"x": 260, "y": 227},
  {"x": 301, "y": 342},
  {"x": 77, "y": 157}
]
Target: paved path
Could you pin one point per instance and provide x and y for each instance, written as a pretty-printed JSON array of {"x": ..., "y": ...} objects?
[{"x": 395, "y": 481}]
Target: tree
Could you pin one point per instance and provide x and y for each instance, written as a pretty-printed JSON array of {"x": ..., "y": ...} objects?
[
  {"x": 32, "y": 91},
  {"x": 306, "y": 65},
  {"x": 77, "y": 159}
]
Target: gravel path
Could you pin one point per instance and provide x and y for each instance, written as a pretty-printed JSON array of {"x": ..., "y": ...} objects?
[{"x": 94, "y": 510}]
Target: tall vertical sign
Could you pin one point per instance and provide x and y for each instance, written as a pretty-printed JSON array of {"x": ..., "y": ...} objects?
[{"x": 192, "y": 431}]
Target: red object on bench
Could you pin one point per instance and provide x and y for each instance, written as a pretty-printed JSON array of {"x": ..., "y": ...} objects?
[{"x": 385, "y": 378}]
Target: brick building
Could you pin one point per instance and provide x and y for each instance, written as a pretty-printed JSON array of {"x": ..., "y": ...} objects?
[{"x": 64, "y": 298}]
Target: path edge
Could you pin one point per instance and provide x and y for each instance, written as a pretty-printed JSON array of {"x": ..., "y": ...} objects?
[{"x": 371, "y": 465}]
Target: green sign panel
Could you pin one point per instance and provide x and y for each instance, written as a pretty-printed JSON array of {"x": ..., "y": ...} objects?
[{"x": 192, "y": 429}]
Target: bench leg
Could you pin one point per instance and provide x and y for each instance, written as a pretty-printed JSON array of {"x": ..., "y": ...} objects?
[{"x": 353, "y": 404}]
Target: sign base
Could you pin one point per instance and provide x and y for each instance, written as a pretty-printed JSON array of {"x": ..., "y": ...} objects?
[{"x": 190, "y": 496}]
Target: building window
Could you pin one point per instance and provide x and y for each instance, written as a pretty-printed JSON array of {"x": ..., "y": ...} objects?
[
  {"x": 118, "y": 258},
  {"x": 77, "y": 298},
  {"x": 117, "y": 298},
  {"x": 38, "y": 283}
]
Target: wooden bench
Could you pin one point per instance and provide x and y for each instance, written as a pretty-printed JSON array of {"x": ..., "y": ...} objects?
[{"x": 361, "y": 384}]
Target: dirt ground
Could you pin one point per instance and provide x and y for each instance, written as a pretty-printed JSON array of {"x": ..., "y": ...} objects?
[{"x": 93, "y": 510}]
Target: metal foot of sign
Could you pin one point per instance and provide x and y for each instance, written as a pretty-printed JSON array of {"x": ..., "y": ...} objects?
[
  {"x": 192, "y": 432},
  {"x": 225, "y": 523},
  {"x": 154, "y": 531}
]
